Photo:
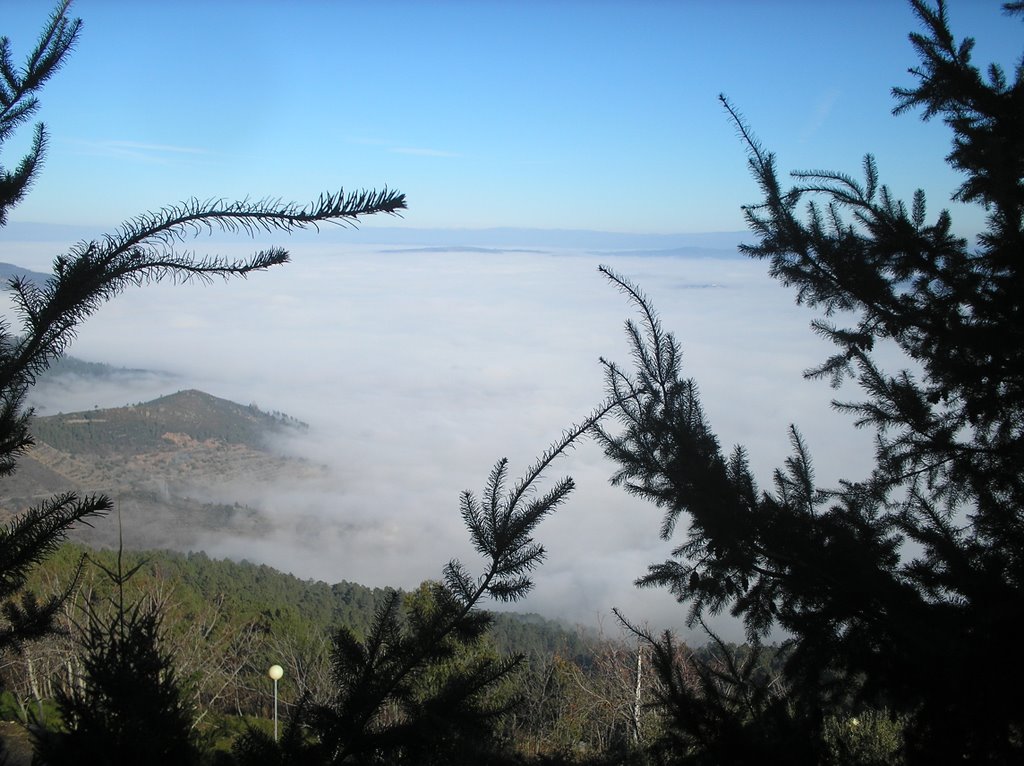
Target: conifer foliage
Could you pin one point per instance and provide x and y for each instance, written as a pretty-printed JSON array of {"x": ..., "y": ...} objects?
[
  {"x": 125, "y": 703},
  {"x": 411, "y": 690},
  {"x": 902, "y": 590},
  {"x": 143, "y": 250}
]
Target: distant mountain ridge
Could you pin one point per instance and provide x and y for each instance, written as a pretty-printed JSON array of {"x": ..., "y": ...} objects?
[
  {"x": 9, "y": 271},
  {"x": 70, "y": 365}
]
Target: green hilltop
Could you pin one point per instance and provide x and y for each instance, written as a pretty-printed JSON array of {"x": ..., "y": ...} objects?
[{"x": 151, "y": 426}]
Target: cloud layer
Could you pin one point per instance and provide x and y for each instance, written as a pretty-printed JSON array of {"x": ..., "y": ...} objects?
[{"x": 418, "y": 370}]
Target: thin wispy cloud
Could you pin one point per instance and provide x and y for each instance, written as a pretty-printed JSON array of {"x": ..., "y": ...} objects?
[
  {"x": 139, "y": 150},
  {"x": 401, "y": 147},
  {"x": 421, "y": 152},
  {"x": 822, "y": 109}
]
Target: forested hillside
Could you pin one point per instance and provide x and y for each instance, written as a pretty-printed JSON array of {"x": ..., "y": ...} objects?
[
  {"x": 226, "y": 622},
  {"x": 279, "y": 602}
]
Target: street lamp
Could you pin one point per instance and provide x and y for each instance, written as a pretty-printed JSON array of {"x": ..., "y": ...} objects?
[{"x": 275, "y": 672}]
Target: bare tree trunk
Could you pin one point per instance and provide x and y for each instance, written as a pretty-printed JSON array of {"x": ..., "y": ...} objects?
[
  {"x": 33, "y": 683},
  {"x": 636, "y": 693}
]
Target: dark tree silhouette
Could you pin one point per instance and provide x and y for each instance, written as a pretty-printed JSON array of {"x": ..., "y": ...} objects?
[
  {"x": 124, "y": 702},
  {"x": 902, "y": 590}
]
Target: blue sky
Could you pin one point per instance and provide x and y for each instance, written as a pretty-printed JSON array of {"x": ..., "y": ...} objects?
[{"x": 578, "y": 115}]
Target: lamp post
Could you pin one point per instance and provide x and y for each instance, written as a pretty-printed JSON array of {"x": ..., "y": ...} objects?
[{"x": 275, "y": 673}]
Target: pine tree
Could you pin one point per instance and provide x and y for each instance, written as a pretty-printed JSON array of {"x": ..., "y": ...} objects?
[
  {"x": 143, "y": 250},
  {"x": 902, "y": 590},
  {"x": 125, "y": 703},
  {"x": 414, "y": 690}
]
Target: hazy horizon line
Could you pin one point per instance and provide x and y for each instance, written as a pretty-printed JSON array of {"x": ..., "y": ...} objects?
[{"x": 368, "y": 233}]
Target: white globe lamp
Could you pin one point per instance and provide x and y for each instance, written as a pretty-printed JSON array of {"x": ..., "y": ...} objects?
[{"x": 275, "y": 673}]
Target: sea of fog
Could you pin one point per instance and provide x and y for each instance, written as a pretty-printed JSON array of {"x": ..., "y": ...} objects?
[{"x": 419, "y": 367}]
